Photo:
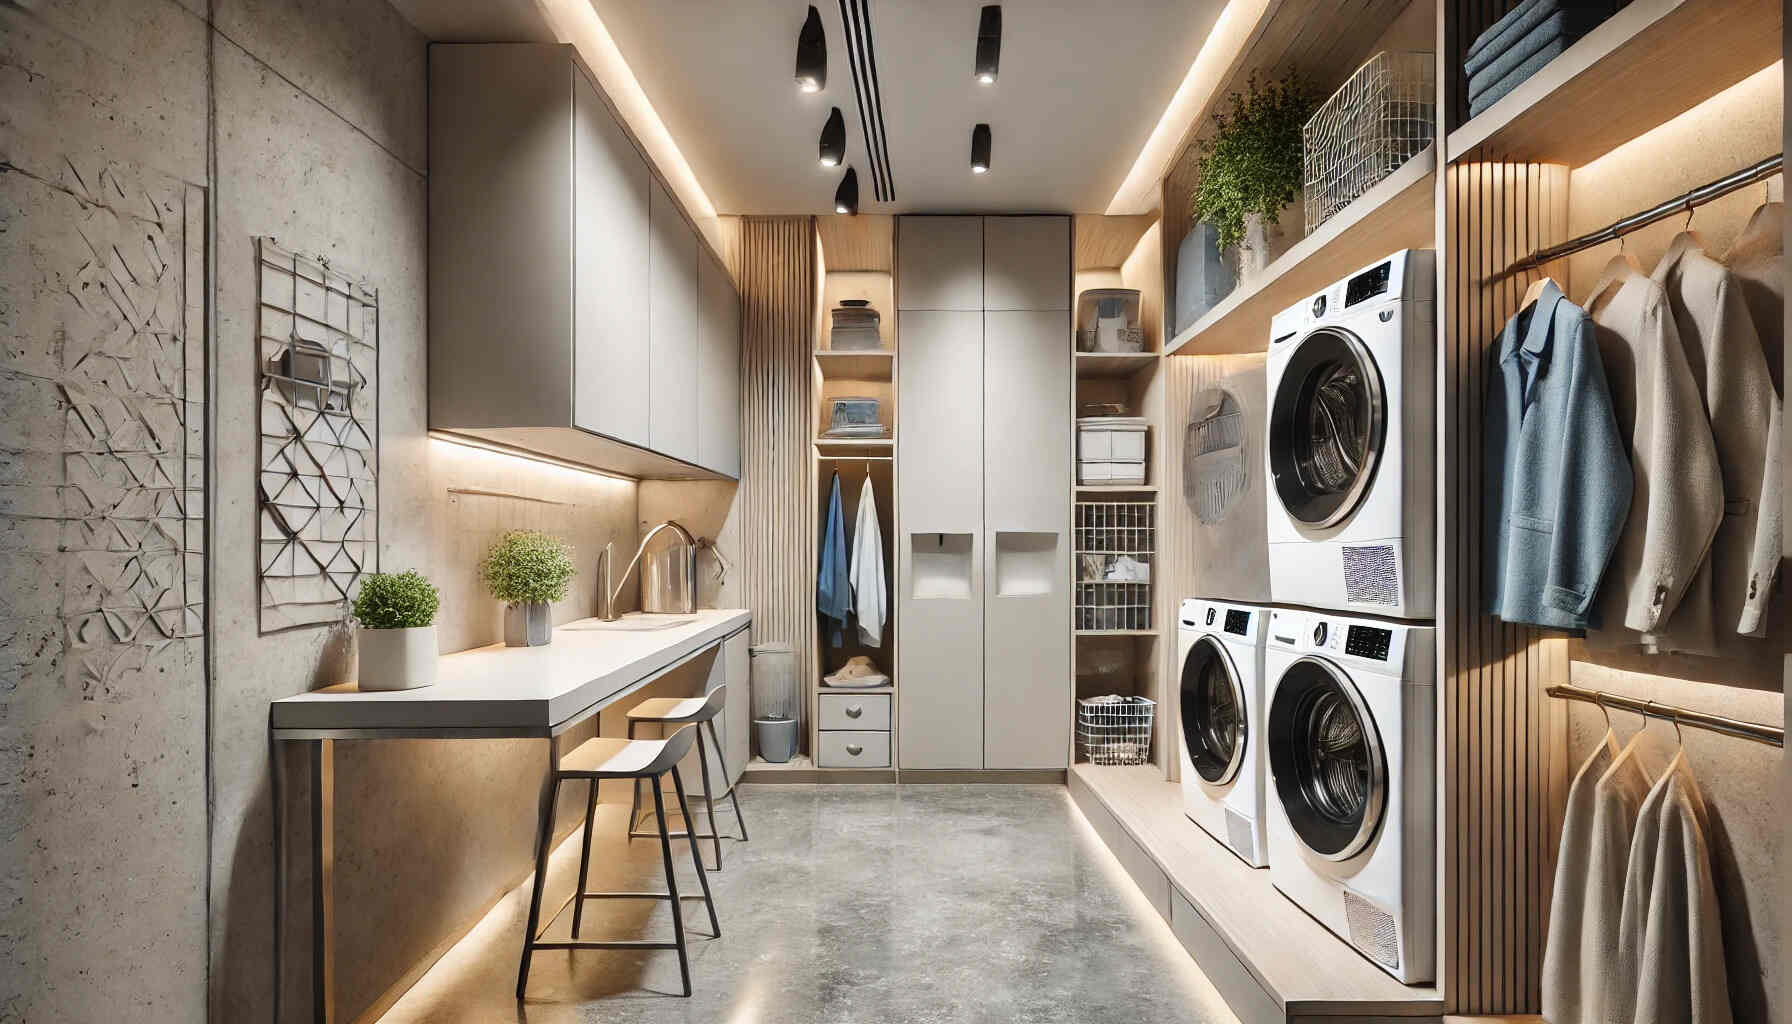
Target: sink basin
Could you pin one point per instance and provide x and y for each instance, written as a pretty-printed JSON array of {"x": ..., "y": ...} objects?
[{"x": 634, "y": 623}]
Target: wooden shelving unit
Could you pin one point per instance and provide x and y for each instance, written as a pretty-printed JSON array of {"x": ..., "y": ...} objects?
[
  {"x": 856, "y": 365},
  {"x": 1113, "y": 364},
  {"x": 1651, "y": 61},
  {"x": 1395, "y": 214}
]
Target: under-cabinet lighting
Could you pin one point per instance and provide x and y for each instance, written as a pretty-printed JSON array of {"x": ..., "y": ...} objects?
[
  {"x": 833, "y": 140},
  {"x": 980, "y": 149},
  {"x": 812, "y": 54},
  {"x": 494, "y": 448},
  {"x": 989, "y": 43}
]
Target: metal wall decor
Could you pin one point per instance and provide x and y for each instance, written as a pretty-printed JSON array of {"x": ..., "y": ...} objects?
[{"x": 318, "y": 345}]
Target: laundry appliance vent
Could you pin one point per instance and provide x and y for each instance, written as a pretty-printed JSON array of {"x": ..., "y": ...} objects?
[
  {"x": 1371, "y": 575},
  {"x": 1372, "y": 930},
  {"x": 1241, "y": 835}
]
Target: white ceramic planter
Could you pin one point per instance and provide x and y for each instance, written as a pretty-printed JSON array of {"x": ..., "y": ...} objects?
[{"x": 397, "y": 659}]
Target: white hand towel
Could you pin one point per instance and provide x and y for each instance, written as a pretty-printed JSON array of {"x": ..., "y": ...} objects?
[
  {"x": 870, "y": 601},
  {"x": 1562, "y": 998}
]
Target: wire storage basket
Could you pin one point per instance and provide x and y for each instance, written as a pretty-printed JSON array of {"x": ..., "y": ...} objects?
[
  {"x": 1114, "y": 729},
  {"x": 1116, "y": 542},
  {"x": 1382, "y": 116}
]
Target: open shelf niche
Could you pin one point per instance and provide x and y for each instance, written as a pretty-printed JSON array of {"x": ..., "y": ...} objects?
[
  {"x": 855, "y": 260},
  {"x": 1120, "y": 252}
]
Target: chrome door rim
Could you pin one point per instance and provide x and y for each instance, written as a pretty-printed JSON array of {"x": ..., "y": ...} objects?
[
  {"x": 1375, "y": 803},
  {"x": 1230, "y": 772},
  {"x": 1280, "y": 442}
]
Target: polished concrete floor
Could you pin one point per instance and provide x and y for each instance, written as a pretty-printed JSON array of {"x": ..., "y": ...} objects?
[{"x": 886, "y": 904}]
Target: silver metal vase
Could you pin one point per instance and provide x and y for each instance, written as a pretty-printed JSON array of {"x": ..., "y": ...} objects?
[{"x": 528, "y": 625}]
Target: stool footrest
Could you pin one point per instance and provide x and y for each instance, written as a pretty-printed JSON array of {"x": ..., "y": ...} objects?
[
  {"x": 579, "y": 944},
  {"x": 637, "y": 896}
]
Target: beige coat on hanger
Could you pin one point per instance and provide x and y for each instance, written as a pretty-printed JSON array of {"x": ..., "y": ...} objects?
[
  {"x": 1758, "y": 260},
  {"x": 1678, "y": 496}
]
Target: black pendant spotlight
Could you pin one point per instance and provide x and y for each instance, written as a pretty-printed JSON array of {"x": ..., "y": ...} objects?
[
  {"x": 833, "y": 140},
  {"x": 980, "y": 149},
  {"x": 812, "y": 54},
  {"x": 989, "y": 43},
  {"x": 846, "y": 197}
]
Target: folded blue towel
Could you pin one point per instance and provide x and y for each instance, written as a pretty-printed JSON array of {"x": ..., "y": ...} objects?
[
  {"x": 1518, "y": 23},
  {"x": 1497, "y": 91},
  {"x": 1569, "y": 25}
]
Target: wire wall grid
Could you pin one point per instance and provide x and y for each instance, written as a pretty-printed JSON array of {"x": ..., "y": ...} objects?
[
  {"x": 1115, "y": 730},
  {"x": 318, "y": 349},
  {"x": 1382, "y": 116},
  {"x": 1116, "y": 542}
]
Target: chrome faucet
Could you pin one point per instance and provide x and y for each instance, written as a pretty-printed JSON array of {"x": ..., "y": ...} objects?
[{"x": 606, "y": 593}]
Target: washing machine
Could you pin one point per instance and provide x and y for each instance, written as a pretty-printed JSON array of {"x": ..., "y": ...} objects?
[
  {"x": 1351, "y": 732},
  {"x": 1220, "y": 648},
  {"x": 1350, "y": 450}
]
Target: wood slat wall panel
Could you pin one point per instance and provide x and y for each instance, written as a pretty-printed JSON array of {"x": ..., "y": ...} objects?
[
  {"x": 777, "y": 274},
  {"x": 1502, "y": 783}
]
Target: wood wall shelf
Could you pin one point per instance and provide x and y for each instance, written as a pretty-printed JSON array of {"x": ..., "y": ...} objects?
[
  {"x": 850, "y": 448},
  {"x": 1112, "y": 364},
  {"x": 1116, "y": 632},
  {"x": 1396, "y": 214},
  {"x": 849, "y": 365},
  {"x": 1116, "y": 488},
  {"x": 1651, "y": 61}
]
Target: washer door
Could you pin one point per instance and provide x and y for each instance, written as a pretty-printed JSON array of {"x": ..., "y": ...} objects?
[
  {"x": 1214, "y": 720},
  {"x": 1326, "y": 755},
  {"x": 1326, "y": 426}
]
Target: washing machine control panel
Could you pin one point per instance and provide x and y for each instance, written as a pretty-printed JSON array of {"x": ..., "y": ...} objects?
[
  {"x": 1368, "y": 642},
  {"x": 1238, "y": 622}
]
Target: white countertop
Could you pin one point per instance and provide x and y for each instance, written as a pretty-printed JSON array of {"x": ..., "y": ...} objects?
[{"x": 515, "y": 690}]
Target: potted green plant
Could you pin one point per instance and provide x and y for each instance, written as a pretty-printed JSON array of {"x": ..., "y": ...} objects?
[
  {"x": 397, "y": 635},
  {"x": 1251, "y": 169},
  {"x": 528, "y": 570}
]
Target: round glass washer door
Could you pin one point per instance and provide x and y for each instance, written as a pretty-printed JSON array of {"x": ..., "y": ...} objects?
[
  {"x": 1327, "y": 760},
  {"x": 1214, "y": 722},
  {"x": 1326, "y": 427}
]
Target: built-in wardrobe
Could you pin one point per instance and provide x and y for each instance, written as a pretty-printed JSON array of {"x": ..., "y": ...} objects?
[{"x": 983, "y": 557}]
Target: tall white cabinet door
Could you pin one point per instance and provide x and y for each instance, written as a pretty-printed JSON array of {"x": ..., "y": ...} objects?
[
  {"x": 610, "y": 257},
  {"x": 1026, "y": 263},
  {"x": 718, "y": 368},
  {"x": 672, "y": 329},
  {"x": 1026, "y": 487},
  {"x": 939, "y": 586},
  {"x": 939, "y": 264}
]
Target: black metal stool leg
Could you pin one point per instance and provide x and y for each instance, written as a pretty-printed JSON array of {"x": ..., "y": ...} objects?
[
  {"x": 634, "y": 803},
  {"x": 709, "y": 802},
  {"x": 733, "y": 797},
  {"x": 659, "y": 814},
  {"x": 715, "y": 926},
  {"x": 543, "y": 841},
  {"x": 578, "y": 888}
]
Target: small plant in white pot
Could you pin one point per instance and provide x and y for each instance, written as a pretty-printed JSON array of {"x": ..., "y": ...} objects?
[
  {"x": 397, "y": 638},
  {"x": 528, "y": 570}
]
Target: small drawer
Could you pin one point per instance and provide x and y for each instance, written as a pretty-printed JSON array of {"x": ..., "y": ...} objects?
[
  {"x": 857, "y": 711},
  {"x": 1128, "y": 446},
  {"x": 1095, "y": 445},
  {"x": 855, "y": 750}
]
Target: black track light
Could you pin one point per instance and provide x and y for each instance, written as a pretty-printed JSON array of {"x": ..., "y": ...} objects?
[
  {"x": 812, "y": 54},
  {"x": 846, "y": 197},
  {"x": 989, "y": 43},
  {"x": 980, "y": 149},
  {"x": 833, "y": 140}
]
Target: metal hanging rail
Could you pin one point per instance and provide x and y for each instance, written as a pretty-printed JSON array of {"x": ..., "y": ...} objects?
[
  {"x": 1681, "y": 203},
  {"x": 1768, "y": 734}
]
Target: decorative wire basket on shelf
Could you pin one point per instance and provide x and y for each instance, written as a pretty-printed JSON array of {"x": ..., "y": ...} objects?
[
  {"x": 1114, "y": 729},
  {"x": 1115, "y": 544},
  {"x": 1382, "y": 116}
]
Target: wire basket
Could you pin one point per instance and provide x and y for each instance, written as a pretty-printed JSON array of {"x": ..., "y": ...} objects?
[
  {"x": 1113, "y": 730},
  {"x": 1116, "y": 542},
  {"x": 1384, "y": 115}
]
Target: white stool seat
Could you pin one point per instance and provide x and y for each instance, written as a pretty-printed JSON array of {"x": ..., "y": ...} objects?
[
  {"x": 667, "y": 709},
  {"x": 604, "y": 755}
]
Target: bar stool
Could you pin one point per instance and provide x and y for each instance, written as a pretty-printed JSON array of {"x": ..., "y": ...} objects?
[
  {"x": 596, "y": 760},
  {"x": 699, "y": 712}
]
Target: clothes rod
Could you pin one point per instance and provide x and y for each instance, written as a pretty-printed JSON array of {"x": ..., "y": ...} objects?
[
  {"x": 1770, "y": 735},
  {"x": 1684, "y": 203}
]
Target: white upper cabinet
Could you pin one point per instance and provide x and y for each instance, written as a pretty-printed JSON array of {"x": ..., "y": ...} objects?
[
  {"x": 610, "y": 322},
  {"x": 1026, "y": 263},
  {"x": 672, "y": 329},
  {"x": 718, "y": 368},
  {"x": 939, "y": 263}
]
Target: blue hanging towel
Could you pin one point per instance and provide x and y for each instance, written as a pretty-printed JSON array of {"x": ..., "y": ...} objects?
[{"x": 833, "y": 596}]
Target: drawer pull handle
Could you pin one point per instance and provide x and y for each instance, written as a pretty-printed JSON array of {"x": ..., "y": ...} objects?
[
  {"x": 854, "y": 711},
  {"x": 854, "y": 749}
]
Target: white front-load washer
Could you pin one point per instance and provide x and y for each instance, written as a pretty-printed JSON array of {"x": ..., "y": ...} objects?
[
  {"x": 1353, "y": 769},
  {"x": 1350, "y": 447},
  {"x": 1220, "y": 649}
]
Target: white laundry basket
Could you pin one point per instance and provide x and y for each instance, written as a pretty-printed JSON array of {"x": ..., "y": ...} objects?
[{"x": 1113, "y": 730}]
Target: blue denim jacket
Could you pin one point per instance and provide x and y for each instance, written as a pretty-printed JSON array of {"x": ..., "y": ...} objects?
[{"x": 1556, "y": 473}]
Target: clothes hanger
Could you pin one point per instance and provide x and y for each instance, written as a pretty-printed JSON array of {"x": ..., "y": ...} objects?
[
  {"x": 1535, "y": 292},
  {"x": 1761, "y": 236},
  {"x": 1628, "y": 753},
  {"x": 1620, "y": 268}
]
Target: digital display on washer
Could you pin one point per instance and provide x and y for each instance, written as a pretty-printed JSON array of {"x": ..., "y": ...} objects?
[
  {"x": 1368, "y": 642},
  {"x": 1368, "y": 284},
  {"x": 1238, "y": 622}
]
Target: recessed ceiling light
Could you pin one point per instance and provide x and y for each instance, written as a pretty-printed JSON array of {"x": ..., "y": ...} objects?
[
  {"x": 812, "y": 54},
  {"x": 980, "y": 149},
  {"x": 989, "y": 43},
  {"x": 846, "y": 197},
  {"x": 833, "y": 140}
]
